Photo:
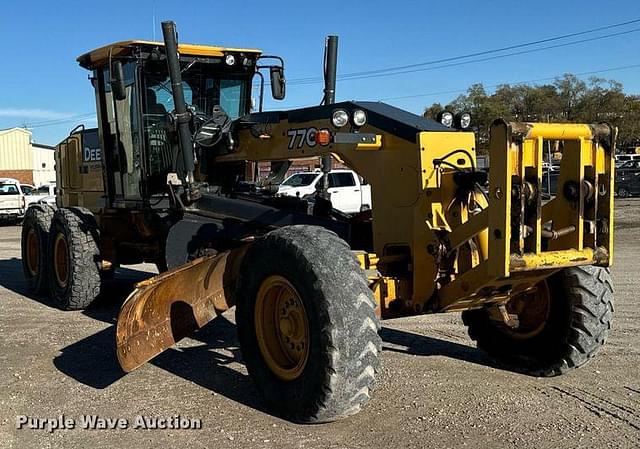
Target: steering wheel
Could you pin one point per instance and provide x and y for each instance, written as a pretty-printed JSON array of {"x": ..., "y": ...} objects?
[{"x": 209, "y": 130}]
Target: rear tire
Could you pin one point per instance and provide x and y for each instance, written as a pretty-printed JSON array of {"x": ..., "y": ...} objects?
[
  {"x": 577, "y": 325},
  {"x": 75, "y": 258},
  {"x": 35, "y": 244},
  {"x": 332, "y": 298}
]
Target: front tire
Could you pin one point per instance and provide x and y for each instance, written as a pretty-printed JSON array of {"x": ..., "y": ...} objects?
[
  {"x": 35, "y": 242},
  {"x": 570, "y": 331},
  {"x": 75, "y": 258},
  {"x": 306, "y": 324}
]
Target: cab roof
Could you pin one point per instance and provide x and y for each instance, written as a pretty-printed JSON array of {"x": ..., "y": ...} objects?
[{"x": 100, "y": 56}]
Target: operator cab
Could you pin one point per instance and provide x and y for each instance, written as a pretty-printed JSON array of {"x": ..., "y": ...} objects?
[{"x": 136, "y": 118}]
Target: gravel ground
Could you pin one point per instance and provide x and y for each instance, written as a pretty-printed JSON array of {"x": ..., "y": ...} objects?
[{"x": 436, "y": 389}]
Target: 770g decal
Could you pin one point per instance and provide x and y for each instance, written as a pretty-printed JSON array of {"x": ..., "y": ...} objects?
[{"x": 299, "y": 137}]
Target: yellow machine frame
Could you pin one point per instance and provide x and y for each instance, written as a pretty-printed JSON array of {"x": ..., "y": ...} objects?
[{"x": 415, "y": 204}]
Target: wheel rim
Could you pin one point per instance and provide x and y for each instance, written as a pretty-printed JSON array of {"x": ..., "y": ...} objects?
[
  {"x": 282, "y": 328},
  {"x": 623, "y": 193},
  {"x": 61, "y": 260},
  {"x": 32, "y": 252},
  {"x": 533, "y": 310}
]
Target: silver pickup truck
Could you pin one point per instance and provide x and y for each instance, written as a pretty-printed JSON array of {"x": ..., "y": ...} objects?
[{"x": 12, "y": 201}]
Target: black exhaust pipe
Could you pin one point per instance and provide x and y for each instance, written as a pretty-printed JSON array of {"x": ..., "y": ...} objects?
[
  {"x": 182, "y": 115},
  {"x": 330, "y": 69}
]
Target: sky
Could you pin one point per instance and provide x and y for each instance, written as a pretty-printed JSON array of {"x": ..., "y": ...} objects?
[{"x": 42, "y": 86}]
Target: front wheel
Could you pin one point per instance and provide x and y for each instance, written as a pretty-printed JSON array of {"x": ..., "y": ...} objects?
[
  {"x": 306, "y": 324},
  {"x": 563, "y": 323}
]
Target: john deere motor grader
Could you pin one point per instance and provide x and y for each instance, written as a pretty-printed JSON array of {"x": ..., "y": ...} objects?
[{"x": 162, "y": 182}]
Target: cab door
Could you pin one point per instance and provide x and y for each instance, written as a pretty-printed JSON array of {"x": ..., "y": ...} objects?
[
  {"x": 121, "y": 134},
  {"x": 345, "y": 192}
]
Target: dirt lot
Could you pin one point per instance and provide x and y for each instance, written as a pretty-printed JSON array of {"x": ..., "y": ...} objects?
[{"x": 436, "y": 389}]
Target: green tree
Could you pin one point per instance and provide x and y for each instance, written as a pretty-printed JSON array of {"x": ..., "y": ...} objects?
[
  {"x": 567, "y": 99},
  {"x": 433, "y": 110},
  {"x": 570, "y": 91}
]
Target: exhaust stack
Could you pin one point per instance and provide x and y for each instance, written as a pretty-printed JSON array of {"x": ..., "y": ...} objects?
[
  {"x": 182, "y": 115},
  {"x": 330, "y": 69}
]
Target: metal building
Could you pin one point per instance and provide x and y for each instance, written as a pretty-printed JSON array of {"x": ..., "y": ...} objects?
[{"x": 20, "y": 158}]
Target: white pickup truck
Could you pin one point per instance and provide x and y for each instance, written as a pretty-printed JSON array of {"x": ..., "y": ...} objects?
[
  {"x": 348, "y": 192},
  {"x": 12, "y": 202},
  {"x": 46, "y": 193}
]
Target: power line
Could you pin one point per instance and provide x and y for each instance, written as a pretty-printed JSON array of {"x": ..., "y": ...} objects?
[
  {"x": 361, "y": 74},
  {"x": 593, "y": 72},
  {"x": 403, "y": 97},
  {"x": 418, "y": 67},
  {"x": 479, "y": 53},
  {"x": 454, "y": 91},
  {"x": 71, "y": 119},
  {"x": 491, "y": 58},
  {"x": 62, "y": 119}
]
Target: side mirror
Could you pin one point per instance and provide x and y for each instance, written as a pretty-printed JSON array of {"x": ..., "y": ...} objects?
[
  {"x": 117, "y": 81},
  {"x": 277, "y": 82}
]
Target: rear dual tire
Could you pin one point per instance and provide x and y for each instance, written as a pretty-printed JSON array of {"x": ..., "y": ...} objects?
[
  {"x": 307, "y": 325},
  {"x": 35, "y": 247},
  {"x": 74, "y": 276}
]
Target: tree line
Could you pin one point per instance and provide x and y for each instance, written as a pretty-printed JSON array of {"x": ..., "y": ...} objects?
[{"x": 567, "y": 99}]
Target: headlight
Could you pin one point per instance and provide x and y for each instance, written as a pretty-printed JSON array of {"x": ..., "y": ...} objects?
[
  {"x": 359, "y": 117},
  {"x": 463, "y": 120},
  {"x": 230, "y": 59},
  {"x": 340, "y": 118},
  {"x": 446, "y": 118}
]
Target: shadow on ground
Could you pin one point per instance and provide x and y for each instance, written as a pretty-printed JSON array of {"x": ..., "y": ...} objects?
[
  {"x": 104, "y": 308},
  {"x": 415, "y": 344},
  {"x": 92, "y": 361}
]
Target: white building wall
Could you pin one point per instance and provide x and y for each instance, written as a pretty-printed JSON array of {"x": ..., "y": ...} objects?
[
  {"x": 15, "y": 149},
  {"x": 44, "y": 170}
]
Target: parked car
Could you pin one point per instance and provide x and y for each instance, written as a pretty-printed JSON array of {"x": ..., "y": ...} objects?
[
  {"x": 627, "y": 181},
  {"x": 621, "y": 159},
  {"x": 12, "y": 200},
  {"x": 46, "y": 193},
  {"x": 349, "y": 194}
]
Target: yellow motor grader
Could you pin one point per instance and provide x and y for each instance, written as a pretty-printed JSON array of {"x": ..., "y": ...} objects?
[{"x": 163, "y": 179}]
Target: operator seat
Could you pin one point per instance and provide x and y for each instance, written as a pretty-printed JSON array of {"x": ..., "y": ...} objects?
[
  {"x": 160, "y": 149},
  {"x": 153, "y": 107}
]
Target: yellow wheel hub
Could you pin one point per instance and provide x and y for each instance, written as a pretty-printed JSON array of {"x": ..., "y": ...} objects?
[
  {"x": 61, "y": 260},
  {"x": 282, "y": 328},
  {"x": 33, "y": 253},
  {"x": 533, "y": 309}
]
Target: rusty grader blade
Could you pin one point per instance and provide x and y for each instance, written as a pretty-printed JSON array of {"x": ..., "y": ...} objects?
[{"x": 164, "y": 309}]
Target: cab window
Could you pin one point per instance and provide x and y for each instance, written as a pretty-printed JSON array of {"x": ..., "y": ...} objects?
[
  {"x": 204, "y": 90},
  {"x": 159, "y": 99},
  {"x": 300, "y": 179},
  {"x": 8, "y": 189},
  {"x": 231, "y": 97},
  {"x": 341, "y": 180},
  {"x": 122, "y": 116}
]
